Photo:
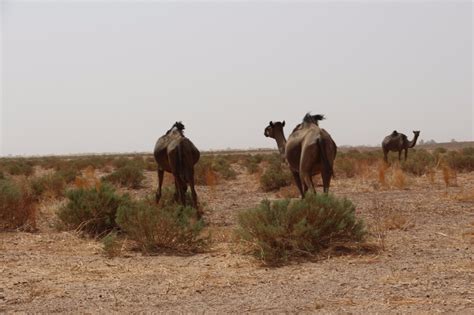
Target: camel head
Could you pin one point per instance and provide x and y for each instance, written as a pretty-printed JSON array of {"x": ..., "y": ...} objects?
[
  {"x": 416, "y": 133},
  {"x": 272, "y": 127}
]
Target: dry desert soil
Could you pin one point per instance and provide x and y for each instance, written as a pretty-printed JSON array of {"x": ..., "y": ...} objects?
[{"x": 425, "y": 235}]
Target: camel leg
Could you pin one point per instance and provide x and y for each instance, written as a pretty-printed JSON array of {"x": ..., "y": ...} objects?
[
  {"x": 194, "y": 197},
  {"x": 297, "y": 178},
  {"x": 307, "y": 182},
  {"x": 326, "y": 175},
  {"x": 385, "y": 156},
  {"x": 400, "y": 155},
  {"x": 406, "y": 154},
  {"x": 161, "y": 174},
  {"x": 180, "y": 189}
]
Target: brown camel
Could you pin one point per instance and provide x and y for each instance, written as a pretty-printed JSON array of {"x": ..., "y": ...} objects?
[
  {"x": 398, "y": 142},
  {"x": 319, "y": 151},
  {"x": 176, "y": 154}
]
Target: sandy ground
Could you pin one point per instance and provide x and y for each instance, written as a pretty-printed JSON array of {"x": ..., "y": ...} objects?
[{"x": 426, "y": 264}]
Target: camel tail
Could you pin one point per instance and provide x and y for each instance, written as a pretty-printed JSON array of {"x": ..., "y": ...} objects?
[
  {"x": 324, "y": 157},
  {"x": 180, "y": 164}
]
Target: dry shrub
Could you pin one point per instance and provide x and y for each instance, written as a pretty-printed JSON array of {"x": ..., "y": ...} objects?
[
  {"x": 252, "y": 163},
  {"x": 431, "y": 175},
  {"x": 346, "y": 166},
  {"x": 462, "y": 160},
  {"x": 399, "y": 178},
  {"x": 277, "y": 231},
  {"x": 17, "y": 205},
  {"x": 155, "y": 228},
  {"x": 396, "y": 221},
  {"x": 382, "y": 169},
  {"x": 449, "y": 176},
  {"x": 51, "y": 185},
  {"x": 210, "y": 169},
  {"x": 92, "y": 210},
  {"x": 210, "y": 178},
  {"x": 88, "y": 179}
]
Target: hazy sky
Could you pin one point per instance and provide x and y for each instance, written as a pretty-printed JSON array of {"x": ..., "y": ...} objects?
[{"x": 113, "y": 76}]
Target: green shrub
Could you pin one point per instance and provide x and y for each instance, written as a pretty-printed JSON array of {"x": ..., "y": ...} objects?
[
  {"x": 418, "y": 162},
  {"x": 112, "y": 245},
  {"x": 92, "y": 210},
  {"x": 129, "y": 175},
  {"x": 283, "y": 229},
  {"x": 54, "y": 184},
  {"x": 276, "y": 175},
  {"x": 17, "y": 204},
  {"x": 154, "y": 228}
]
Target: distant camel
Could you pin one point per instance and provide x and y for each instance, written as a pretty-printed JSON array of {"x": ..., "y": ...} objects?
[
  {"x": 176, "y": 154},
  {"x": 319, "y": 151},
  {"x": 397, "y": 142}
]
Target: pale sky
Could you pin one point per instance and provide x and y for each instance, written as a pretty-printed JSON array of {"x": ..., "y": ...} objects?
[{"x": 113, "y": 76}]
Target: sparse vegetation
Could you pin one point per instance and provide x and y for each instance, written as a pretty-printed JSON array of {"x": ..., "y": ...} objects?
[
  {"x": 53, "y": 185},
  {"x": 17, "y": 205},
  {"x": 156, "y": 228},
  {"x": 129, "y": 175},
  {"x": 93, "y": 209},
  {"x": 276, "y": 175},
  {"x": 419, "y": 162},
  {"x": 277, "y": 231},
  {"x": 210, "y": 168}
]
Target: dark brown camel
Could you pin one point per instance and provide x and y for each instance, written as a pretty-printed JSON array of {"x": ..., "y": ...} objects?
[
  {"x": 309, "y": 151},
  {"x": 176, "y": 154},
  {"x": 397, "y": 142}
]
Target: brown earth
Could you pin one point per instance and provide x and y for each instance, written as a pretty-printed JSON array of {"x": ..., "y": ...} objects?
[{"x": 425, "y": 264}]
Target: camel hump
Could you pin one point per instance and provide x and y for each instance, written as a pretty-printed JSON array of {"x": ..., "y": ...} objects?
[{"x": 394, "y": 133}]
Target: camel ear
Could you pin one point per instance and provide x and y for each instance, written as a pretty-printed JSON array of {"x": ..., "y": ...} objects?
[
  {"x": 283, "y": 123},
  {"x": 271, "y": 123}
]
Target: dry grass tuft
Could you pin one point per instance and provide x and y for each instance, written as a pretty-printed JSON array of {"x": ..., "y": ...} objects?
[
  {"x": 399, "y": 178},
  {"x": 449, "y": 176}
]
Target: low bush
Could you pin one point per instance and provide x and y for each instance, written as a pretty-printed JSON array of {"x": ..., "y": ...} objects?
[
  {"x": 112, "y": 245},
  {"x": 419, "y": 162},
  {"x": 52, "y": 184},
  {"x": 17, "y": 205},
  {"x": 130, "y": 175},
  {"x": 279, "y": 230},
  {"x": 92, "y": 210},
  {"x": 462, "y": 160},
  {"x": 346, "y": 166},
  {"x": 252, "y": 162},
  {"x": 155, "y": 228},
  {"x": 276, "y": 175},
  {"x": 210, "y": 168}
]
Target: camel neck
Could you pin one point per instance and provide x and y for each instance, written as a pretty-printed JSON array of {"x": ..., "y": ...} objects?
[
  {"x": 412, "y": 143},
  {"x": 281, "y": 142}
]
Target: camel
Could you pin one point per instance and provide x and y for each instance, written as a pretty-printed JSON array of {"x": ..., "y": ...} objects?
[
  {"x": 176, "y": 154},
  {"x": 398, "y": 142},
  {"x": 309, "y": 151}
]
